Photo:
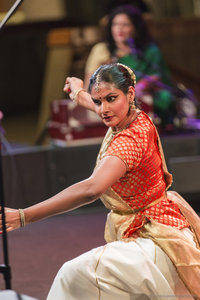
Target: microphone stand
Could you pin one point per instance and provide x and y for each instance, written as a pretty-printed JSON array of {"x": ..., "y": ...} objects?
[
  {"x": 5, "y": 268},
  {"x": 10, "y": 13}
]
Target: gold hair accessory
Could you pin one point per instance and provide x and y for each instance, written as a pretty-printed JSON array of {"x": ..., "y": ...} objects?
[
  {"x": 97, "y": 82},
  {"x": 22, "y": 217},
  {"x": 130, "y": 71}
]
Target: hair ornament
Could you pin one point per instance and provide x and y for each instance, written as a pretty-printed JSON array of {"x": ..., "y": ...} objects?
[
  {"x": 97, "y": 82},
  {"x": 130, "y": 71}
]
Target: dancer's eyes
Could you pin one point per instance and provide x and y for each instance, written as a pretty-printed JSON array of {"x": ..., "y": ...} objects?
[
  {"x": 97, "y": 102},
  {"x": 108, "y": 99},
  {"x": 111, "y": 98}
]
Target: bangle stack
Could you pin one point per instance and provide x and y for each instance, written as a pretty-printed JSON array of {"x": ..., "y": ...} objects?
[
  {"x": 22, "y": 217},
  {"x": 76, "y": 94}
]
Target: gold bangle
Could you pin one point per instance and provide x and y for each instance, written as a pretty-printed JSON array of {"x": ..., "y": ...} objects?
[
  {"x": 76, "y": 94},
  {"x": 22, "y": 217}
]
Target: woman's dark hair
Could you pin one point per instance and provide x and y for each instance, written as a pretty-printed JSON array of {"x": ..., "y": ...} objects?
[
  {"x": 142, "y": 36},
  {"x": 119, "y": 75}
]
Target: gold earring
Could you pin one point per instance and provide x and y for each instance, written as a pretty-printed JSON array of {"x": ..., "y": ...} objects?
[{"x": 132, "y": 105}]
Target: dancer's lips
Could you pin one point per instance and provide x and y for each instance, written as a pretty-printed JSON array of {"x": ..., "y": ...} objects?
[{"x": 107, "y": 118}]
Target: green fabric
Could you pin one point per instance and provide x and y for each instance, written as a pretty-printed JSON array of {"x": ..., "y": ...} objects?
[
  {"x": 166, "y": 98},
  {"x": 151, "y": 62}
]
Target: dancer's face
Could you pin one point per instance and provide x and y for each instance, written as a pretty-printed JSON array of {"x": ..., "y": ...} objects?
[{"x": 112, "y": 105}]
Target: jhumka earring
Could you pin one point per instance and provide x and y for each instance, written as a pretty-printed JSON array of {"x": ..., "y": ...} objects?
[{"x": 132, "y": 106}]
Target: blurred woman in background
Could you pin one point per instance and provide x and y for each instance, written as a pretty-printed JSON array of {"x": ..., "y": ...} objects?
[{"x": 128, "y": 41}]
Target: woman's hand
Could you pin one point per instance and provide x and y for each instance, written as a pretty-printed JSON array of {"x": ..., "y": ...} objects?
[
  {"x": 72, "y": 85},
  {"x": 12, "y": 219}
]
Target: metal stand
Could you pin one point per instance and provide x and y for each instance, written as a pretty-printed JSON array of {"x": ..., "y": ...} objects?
[{"x": 5, "y": 268}]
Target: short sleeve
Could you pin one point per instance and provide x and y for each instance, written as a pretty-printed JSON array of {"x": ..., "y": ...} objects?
[
  {"x": 99, "y": 55},
  {"x": 129, "y": 148}
]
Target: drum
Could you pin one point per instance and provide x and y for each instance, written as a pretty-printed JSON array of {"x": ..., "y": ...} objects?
[{"x": 71, "y": 124}]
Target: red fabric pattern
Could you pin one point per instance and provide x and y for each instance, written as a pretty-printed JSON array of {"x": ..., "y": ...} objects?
[{"x": 143, "y": 182}]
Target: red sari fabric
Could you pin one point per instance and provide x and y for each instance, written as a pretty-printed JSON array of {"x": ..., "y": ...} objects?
[{"x": 144, "y": 181}]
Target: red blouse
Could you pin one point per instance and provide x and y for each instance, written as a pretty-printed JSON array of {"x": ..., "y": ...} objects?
[{"x": 143, "y": 182}]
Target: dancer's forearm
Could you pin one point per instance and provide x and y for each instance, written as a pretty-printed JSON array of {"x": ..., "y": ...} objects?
[{"x": 72, "y": 197}]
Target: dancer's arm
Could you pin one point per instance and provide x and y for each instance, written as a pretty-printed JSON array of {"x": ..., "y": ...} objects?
[{"x": 107, "y": 173}]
